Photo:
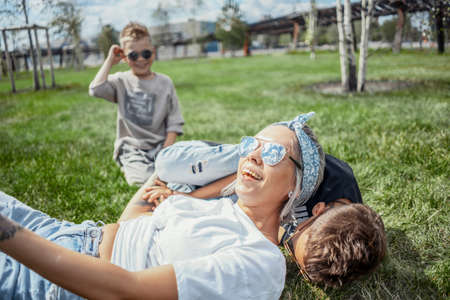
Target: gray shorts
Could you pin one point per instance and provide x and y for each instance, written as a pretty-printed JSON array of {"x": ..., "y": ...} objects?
[{"x": 136, "y": 164}]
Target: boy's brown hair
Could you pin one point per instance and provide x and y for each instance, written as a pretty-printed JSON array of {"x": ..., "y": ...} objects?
[
  {"x": 134, "y": 31},
  {"x": 343, "y": 244}
]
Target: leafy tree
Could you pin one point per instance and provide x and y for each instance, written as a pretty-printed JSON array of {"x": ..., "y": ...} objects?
[
  {"x": 230, "y": 27},
  {"x": 107, "y": 37},
  {"x": 67, "y": 21},
  {"x": 387, "y": 30},
  {"x": 162, "y": 16},
  {"x": 194, "y": 6}
]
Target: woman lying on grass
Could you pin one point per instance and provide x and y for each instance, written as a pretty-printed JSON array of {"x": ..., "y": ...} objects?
[
  {"x": 188, "y": 248},
  {"x": 207, "y": 170}
]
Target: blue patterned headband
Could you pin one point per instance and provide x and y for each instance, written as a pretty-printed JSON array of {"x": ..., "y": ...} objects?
[{"x": 309, "y": 155}]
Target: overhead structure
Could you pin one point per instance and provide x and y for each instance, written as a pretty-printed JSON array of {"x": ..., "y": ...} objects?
[
  {"x": 327, "y": 16},
  {"x": 9, "y": 60}
]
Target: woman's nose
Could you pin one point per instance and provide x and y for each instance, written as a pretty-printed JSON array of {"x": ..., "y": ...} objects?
[{"x": 255, "y": 156}]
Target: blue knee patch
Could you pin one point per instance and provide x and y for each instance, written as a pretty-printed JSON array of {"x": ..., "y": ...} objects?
[
  {"x": 198, "y": 167},
  {"x": 218, "y": 149}
]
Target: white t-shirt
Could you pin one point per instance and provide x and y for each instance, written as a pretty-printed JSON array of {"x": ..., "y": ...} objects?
[{"x": 215, "y": 248}]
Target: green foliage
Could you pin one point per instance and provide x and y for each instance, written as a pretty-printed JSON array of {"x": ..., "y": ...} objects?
[
  {"x": 107, "y": 37},
  {"x": 230, "y": 28},
  {"x": 56, "y": 148},
  {"x": 386, "y": 31},
  {"x": 67, "y": 20},
  {"x": 162, "y": 16},
  {"x": 285, "y": 39}
]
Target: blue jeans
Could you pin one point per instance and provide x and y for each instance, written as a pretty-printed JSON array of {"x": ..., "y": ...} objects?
[
  {"x": 191, "y": 164},
  {"x": 18, "y": 281}
]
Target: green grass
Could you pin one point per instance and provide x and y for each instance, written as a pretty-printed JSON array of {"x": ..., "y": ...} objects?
[{"x": 56, "y": 148}]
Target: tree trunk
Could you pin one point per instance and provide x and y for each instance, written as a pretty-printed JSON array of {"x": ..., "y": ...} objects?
[
  {"x": 399, "y": 30},
  {"x": 366, "y": 19},
  {"x": 440, "y": 28},
  {"x": 295, "y": 36},
  {"x": 50, "y": 56},
  {"x": 78, "y": 54},
  {"x": 342, "y": 50},
  {"x": 15, "y": 65},
  {"x": 312, "y": 29},
  {"x": 39, "y": 56},
  {"x": 247, "y": 43},
  {"x": 61, "y": 57},
  {"x": 9, "y": 63},
  {"x": 355, "y": 41},
  {"x": 25, "y": 62},
  {"x": 351, "y": 61},
  {"x": 37, "y": 85},
  {"x": 1, "y": 63}
]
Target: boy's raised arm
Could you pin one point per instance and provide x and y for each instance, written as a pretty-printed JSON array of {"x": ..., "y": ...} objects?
[{"x": 115, "y": 54}]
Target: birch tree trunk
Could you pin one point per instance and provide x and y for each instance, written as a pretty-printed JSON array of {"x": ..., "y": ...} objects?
[
  {"x": 399, "y": 31},
  {"x": 366, "y": 19},
  {"x": 78, "y": 57},
  {"x": 342, "y": 50},
  {"x": 350, "y": 46},
  {"x": 312, "y": 29}
]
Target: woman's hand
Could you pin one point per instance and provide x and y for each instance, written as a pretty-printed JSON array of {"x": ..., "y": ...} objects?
[{"x": 157, "y": 193}]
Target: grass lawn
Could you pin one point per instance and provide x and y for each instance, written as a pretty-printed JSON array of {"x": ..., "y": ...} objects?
[{"x": 56, "y": 148}]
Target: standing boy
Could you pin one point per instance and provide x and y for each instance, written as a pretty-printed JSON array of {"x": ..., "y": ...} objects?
[{"x": 149, "y": 116}]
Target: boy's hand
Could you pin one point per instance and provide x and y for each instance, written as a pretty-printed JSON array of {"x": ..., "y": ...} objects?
[{"x": 115, "y": 54}]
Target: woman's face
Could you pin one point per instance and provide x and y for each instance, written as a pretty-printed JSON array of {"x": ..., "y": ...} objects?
[{"x": 259, "y": 183}]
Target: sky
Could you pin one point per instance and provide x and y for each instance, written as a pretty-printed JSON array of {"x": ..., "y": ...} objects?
[{"x": 119, "y": 12}]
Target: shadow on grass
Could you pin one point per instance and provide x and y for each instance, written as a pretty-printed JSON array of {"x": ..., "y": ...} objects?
[
  {"x": 380, "y": 86},
  {"x": 57, "y": 88},
  {"x": 400, "y": 276}
]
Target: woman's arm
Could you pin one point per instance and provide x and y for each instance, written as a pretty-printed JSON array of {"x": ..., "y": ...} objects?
[
  {"x": 84, "y": 275},
  {"x": 155, "y": 193},
  {"x": 137, "y": 205}
]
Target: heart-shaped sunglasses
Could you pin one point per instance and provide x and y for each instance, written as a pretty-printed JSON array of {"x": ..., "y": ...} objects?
[{"x": 271, "y": 153}]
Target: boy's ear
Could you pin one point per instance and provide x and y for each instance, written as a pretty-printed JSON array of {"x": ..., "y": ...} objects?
[{"x": 318, "y": 208}]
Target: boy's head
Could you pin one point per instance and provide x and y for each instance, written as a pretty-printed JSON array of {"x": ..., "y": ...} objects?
[
  {"x": 135, "y": 41},
  {"x": 341, "y": 245}
]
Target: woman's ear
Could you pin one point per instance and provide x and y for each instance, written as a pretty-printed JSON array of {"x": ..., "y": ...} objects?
[{"x": 318, "y": 208}]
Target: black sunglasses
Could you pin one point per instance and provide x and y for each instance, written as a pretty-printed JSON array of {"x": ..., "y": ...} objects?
[{"x": 146, "y": 54}]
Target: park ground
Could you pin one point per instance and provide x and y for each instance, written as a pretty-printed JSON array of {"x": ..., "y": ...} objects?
[{"x": 56, "y": 148}]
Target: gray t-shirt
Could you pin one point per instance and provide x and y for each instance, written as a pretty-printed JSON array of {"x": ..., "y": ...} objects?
[{"x": 147, "y": 109}]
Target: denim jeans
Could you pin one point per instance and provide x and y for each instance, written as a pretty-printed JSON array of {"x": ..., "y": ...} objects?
[
  {"x": 18, "y": 281},
  {"x": 187, "y": 165}
]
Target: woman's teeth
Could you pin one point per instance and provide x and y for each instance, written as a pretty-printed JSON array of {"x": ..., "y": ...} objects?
[{"x": 252, "y": 174}]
